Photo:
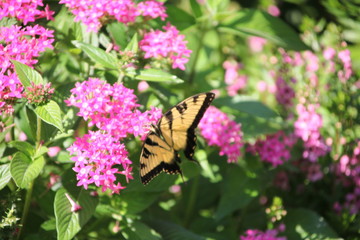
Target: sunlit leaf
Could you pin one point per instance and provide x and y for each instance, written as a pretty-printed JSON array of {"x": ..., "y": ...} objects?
[
  {"x": 50, "y": 112},
  {"x": 153, "y": 75},
  {"x": 26, "y": 74},
  {"x": 5, "y": 175}
]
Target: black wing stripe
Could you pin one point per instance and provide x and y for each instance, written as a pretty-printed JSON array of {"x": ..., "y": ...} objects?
[
  {"x": 191, "y": 137},
  {"x": 168, "y": 168}
]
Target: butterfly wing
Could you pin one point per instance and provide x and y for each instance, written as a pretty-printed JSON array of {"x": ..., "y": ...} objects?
[
  {"x": 157, "y": 156},
  {"x": 177, "y": 126}
]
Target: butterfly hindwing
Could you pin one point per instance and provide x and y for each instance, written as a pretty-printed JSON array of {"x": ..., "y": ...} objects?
[
  {"x": 157, "y": 156},
  {"x": 175, "y": 131}
]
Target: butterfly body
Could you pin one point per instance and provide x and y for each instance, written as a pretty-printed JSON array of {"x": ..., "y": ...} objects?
[{"x": 174, "y": 131}]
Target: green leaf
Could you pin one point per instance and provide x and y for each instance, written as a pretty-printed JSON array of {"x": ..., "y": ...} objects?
[
  {"x": 179, "y": 17},
  {"x": 247, "y": 105},
  {"x": 196, "y": 8},
  {"x": 307, "y": 224},
  {"x": 154, "y": 75},
  {"x": 136, "y": 202},
  {"x": 238, "y": 191},
  {"x": 133, "y": 45},
  {"x": 26, "y": 74},
  {"x": 140, "y": 231},
  {"x": 69, "y": 223},
  {"x": 117, "y": 31},
  {"x": 169, "y": 230},
  {"x": 98, "y": 55},
  {"x": 7, "y": 22},
  {"x": 50, "y": 113},
  {"x": 23, "y": 147},
  {"x": 41, "y": 151},
  {"x": 259, "y": 23},
  {"x": 24, "y": 170},
  {"x": 49, "y": 225},
  {"x": 5, "y": 175}
]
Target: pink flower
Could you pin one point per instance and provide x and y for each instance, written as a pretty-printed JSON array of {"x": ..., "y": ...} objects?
[
  {"x": 53, "y": 151},
  {"x": 23, "y": 44},
  {"x": 111, "y": 108},
  {"x": 256, "y": 44},
  {"x": 219, "y": 130},
  {"x": 94, "y": 12},
  {"x": 275, "y": 149},
  {"x": 284, "y": 92},
  {"x": 329, "y": 53},
  {"x": 307, "y": 127},
  {"x": 97, "y": 157},
  {"x": 254, "y": 234},
  {"x": 74, "y": 206},
  {"x": 233, "y": 79},
  {"x": 152, "y": 9},
  {"x": 24, "y": 10},
  {"x": 10, "y": 90},
  {"x": 274, "y": 10},
  {"x": 345, "y": 74},
  {"x": 37, "y": 94},
  {"x": 169, "y": 45}
]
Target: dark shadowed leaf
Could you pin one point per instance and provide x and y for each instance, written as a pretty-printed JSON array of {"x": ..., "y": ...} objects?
[
  {"x": 238, "y": 191},
  {"x": 140, "y": 231},
  {"x": 247, "y": 105},
  {"x": 179, "y": 17},
  {"x": 307, "y": 224}
]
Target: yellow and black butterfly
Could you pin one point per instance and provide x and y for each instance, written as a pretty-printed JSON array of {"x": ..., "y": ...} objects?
[{"x": 174, "y": 131}]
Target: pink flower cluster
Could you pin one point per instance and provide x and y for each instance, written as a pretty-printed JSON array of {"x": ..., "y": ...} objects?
[
  {"x": 24, "y": 10},
  {"x": 94, "y": 12},
  {"x": 256, "y": 44},
  {"x": 23, "y": 45},
  {"x": 233, "y": 79},
  {"x": 112, "y": 109},
  {"x": 96, "y": 158},
  {"x": 344, "y": 56},
  {"x": 284, "y": 92},
  {"x": 169, "y": 44},
  {"x": 218, "y": 129},
  {"x": 307, "y": 127},
  {"x": 254, "y": 234},
  {"x": 10, "y": 90},
  {"x": 275, "y": 149}
]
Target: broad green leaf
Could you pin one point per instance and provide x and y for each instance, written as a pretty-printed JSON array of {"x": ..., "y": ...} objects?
[
  {"x": 117, "y": 30},
  {"x": 24, "y": 170},
  {"x": 238, "y": 191},
  {"x": 154, "y": 75},
  {"x": 49, "y": 225},
  {"x": 97, "y": 55},
  {"x": 259, "y": 23},
  {"x": 196, "y": 8},
  {"x": 169, "y": 230},
  {"x": 253, "y": 126},
  {"x": 50, "y": 113},
  {"x": 307, "y": 224},
  {"x": 5, "y": 175},
  {"x": 136, "y": 202},
  {"x": 41, "y": 151},
  {"x": 68, "y": 223},
  {"x": 26, "y": 74},
  {"x": 179, "y": 17},
  {"x": 133, "y": 44},
  {"x": 140, "y": 231},
  {"x": 247, "y": 105},
  {"x": 23, "y": 147}
]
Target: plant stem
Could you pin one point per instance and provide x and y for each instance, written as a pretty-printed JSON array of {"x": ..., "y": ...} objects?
[
  {"x": 196, "y": 57},
  {"x": 31, "y": 185},
  {"x": 191, "y": 202}
]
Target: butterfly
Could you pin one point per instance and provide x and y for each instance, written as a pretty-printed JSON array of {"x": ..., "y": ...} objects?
[{"x": 174, "y": 131}]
